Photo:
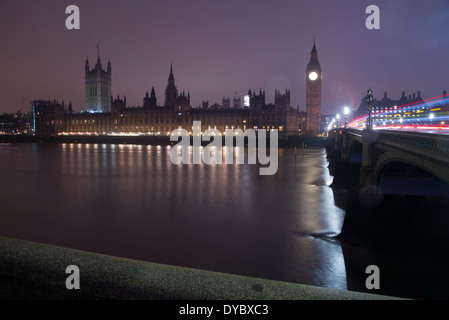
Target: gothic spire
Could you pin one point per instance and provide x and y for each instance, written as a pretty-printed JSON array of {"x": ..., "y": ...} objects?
[
  {"x": 98, "y": 65},
  {"x": 314, "y": 56},
  {"x": 314, "y": 51},
  {"x": 171, "y": 78}
]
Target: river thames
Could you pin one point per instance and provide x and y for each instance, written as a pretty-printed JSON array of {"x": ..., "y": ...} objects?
[{"x": 132, "y": 201}]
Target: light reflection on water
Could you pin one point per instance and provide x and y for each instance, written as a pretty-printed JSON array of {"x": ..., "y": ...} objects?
[{"x": 131, "y": 201}]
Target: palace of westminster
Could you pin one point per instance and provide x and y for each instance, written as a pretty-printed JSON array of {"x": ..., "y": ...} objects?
[{"x": 107, "y": 115}]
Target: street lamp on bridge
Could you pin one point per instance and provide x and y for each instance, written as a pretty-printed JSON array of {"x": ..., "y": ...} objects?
[
  {"x": 346, "y": 112},
  {"x": 431, "y": 117},
  {"x": 369, "y": 100}
]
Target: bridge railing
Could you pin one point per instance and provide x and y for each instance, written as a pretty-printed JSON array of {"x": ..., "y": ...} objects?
[
  {"x": 434, "y": 147},
  {"x": 427, "y": 144}
]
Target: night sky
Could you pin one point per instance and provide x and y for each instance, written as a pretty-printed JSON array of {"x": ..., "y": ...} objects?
[{"x": 220, "y": 47}]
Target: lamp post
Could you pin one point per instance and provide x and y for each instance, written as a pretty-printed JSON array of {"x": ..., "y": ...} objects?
[
  {"x": 338, "y": 118},
  {"x": 346, "y": 111},
  {"x": 369, "y": 100}
]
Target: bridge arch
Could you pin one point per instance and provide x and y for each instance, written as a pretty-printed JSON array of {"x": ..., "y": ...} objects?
[{"x": 409, "y": 175}]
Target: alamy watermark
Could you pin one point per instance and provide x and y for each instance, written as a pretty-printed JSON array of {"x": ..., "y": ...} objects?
[
  {"x": 373, "y": 280},
  {"x": 72, "y": 22},
  {"x": 373, "y": 20},
  {"x": 213, "y": 152},
  {"x": 72, "y": 281}
]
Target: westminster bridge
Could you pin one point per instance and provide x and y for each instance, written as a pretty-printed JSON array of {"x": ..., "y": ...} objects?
[{"x": 398, "y": 181}]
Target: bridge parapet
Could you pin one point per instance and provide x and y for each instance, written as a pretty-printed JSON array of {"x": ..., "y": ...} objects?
[
  {"x": 432, "y": 147},
  {"x": 355, "y": 133}
]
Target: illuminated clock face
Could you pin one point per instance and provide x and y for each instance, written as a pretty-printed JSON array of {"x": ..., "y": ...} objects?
[{"x": 313, "y": 76}]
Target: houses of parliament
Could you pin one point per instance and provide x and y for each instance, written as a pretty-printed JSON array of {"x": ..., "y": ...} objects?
[{"x": 106, "y": 115}]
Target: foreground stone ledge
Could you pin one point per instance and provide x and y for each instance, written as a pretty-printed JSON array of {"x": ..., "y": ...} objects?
[{"x": 30, "y": 270}]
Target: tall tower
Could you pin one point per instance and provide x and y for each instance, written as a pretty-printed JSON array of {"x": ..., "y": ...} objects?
[
  {"x": 98, "y": 86},
  {"x": 171, "y": 93},
  {"x": 314, "y": 77}
]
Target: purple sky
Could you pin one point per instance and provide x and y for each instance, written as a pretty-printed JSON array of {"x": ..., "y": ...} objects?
[{"x": 219, "y": 47}]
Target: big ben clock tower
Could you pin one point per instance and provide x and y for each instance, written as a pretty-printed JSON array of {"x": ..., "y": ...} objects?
[{"x": 313, "y": 94}]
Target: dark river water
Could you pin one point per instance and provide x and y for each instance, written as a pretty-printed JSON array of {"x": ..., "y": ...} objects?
[{"x": 131, "y": 201}]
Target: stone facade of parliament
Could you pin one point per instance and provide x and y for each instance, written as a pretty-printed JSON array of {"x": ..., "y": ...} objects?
[{"x": 52, "y": 118}]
